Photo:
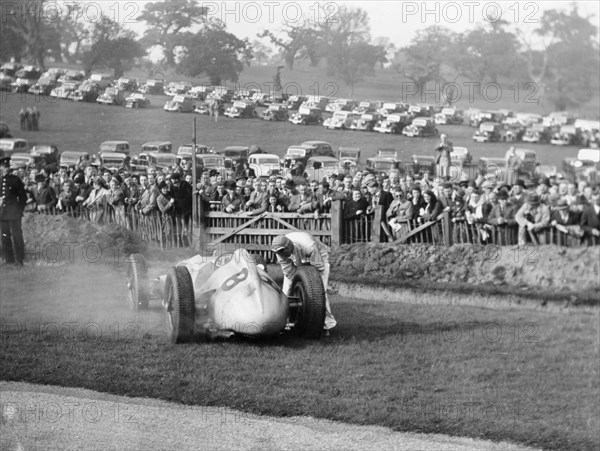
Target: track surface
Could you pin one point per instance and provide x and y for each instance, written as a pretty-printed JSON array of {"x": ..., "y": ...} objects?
[{"x": 48, "y": 417}]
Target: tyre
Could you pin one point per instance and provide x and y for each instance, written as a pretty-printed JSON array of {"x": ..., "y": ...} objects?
[
  {"x": 181, "y": 306},
  {"x": 138, "y": 284},
  {"x": 308, "y": 316}
]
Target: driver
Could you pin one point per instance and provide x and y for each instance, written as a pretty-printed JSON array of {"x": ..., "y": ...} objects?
[{"x": 296, "y": 248}]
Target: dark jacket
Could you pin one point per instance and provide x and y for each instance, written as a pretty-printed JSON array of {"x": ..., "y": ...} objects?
[
  {"x": 183, "y": 198},
  {"x": 14, "y": 197}
]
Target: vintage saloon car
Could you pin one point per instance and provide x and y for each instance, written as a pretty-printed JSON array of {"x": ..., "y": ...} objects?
[
  {"x": 241, "y": 109},
  {"x": 234, "y": 155},
  {"x": 537, "y": 133},
  {"x": 385, "y": 161},
  {"x": 88, "y": 91},
  {"x": 115, "y": 146},
  {"x": 585, "y": 167},
  {"x": 229, "y": 294},
  {"x": 26, "y": 161},
  {"x": 157, "y": 146},
  {"x": 113, "y": 161},
  {"x": 366, "y": 122},
  {"x": 8, "y": 146},
  {"x": 461, "y": 155},
  {"x": 276, "y": 112},
  {"x": 49, "y": 152},
  {"x": 340, "y": 120},
  {"x": 181, "y": 103},
  {"x": 307, "y": 116},
  {"x": 153, "y": 86},
  {"x": 569, "y": 135},
  {"x": 318, "y": 168},
  {"x": 449, "y": 116},
  {"x": 66, "y": 90},
  {"x": 137, "y": 100},
  {"x": 488, "y": 132},
  {"x": 393, "y": 123},
  {"x": 113, "y": 96},
  {"x": 349, "y": 158},
  {"x": 26, "y": 78},
  {"x": 71, "y": 158},
  {"x": 264, "y": 164},
  {"x": 420, "y": 127}
]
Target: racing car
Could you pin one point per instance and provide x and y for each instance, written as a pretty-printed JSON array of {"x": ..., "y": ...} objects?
[{"x": 229, "y": 294}]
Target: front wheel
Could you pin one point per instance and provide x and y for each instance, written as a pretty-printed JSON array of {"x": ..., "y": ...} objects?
[
  {"x": 138, "y": 284},
  {"x": 180, "y": 304},
  {"x": 308, "y": 316}
]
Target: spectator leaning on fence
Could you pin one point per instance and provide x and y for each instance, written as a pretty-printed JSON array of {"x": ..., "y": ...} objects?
[
  {"x": 533, "y": 217},
  {"x": 590, "y": 217}
]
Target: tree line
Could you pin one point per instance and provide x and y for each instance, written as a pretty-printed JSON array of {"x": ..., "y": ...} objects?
[{"x": 564, "y": 67}]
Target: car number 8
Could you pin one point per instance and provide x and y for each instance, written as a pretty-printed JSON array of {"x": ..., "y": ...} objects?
[{"x": 235, "y": 279}]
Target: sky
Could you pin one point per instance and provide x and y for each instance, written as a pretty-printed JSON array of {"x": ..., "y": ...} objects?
[{"x": 397, "y": 20}]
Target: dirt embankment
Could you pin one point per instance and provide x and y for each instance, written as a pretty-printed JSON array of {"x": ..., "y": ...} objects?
[
  {"x": 550, "y": 272},
  {"x": 543, "y": 272},
  {"x": 59, "y": 239}
]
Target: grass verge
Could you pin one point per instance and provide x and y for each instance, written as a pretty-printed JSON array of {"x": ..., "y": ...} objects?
[{"x": 523, "y": 376}]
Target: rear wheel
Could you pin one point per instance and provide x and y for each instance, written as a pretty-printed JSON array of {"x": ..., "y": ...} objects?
[
  {"x": 308, "y": 316},
  {"x": 138, "y": 284},
  {"x": 180, "y": 303}
]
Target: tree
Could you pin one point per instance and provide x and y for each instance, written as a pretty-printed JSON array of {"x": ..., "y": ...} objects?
[
  {"x": 214, "y": 52},
  {"x": 261, "y": 52},
  {"x": 74, "y": 32},
  {"x": 301, "y": 41},
  {"x": 112, "y": 46},
  {"x": 354, "y": 63},
  {"x": 569, "y": 60},
  {"x": 167, "y": 20},
  {"x": 422, "y": 61}
]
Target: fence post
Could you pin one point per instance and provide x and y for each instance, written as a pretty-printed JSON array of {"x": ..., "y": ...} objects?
[
  {"x": 376, "y": 225},
  {"x": 446, "y": 230},
  {"x": 197, "y": 223},
  {"x": 337, "y": 224}
]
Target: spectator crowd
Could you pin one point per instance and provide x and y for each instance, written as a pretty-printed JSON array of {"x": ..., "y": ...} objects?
[{"x": 406, "y": 202}]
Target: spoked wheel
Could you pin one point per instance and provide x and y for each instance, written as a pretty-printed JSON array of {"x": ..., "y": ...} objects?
[
  {"x": 308, "y": 308},
  {"x": 138, "y": 284},
  {"x": 180, "y": 305}
]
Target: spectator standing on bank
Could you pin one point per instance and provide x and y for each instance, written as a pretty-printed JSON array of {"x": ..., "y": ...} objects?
[
  {"x": 35, "y": 119},
  {"x": 29, "y": 119},
  {"x": 23, "y": 118},
  {"x": 443, "y": 158},
  {"x": 12, "y": 204}
]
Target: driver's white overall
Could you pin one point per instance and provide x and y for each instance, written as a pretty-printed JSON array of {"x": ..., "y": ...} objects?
[{"x": 307, "y": 250}]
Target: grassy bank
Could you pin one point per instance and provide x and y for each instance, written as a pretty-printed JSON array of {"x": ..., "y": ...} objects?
[{"x": 524, "y": 376}]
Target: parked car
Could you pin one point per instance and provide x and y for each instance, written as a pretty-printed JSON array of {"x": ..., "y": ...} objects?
[
  {"x": 385, "y": 161},
  {"x": 114, "y": 161},
  {"x": 76, "y": 75},
  {"x": 392, "y": 108},
  {"x": 178, "y": 88},
  {"x": 26, "y": 78},
  {"x": 322, "y": 148},
  {"x": 493, "y": 168},
  {"x": 488, "y": 132},
  {"x": 341, "y": 105},
  {"x": 26, "y": 160},
  {"x": 113, "y": 96},
  {"x": 234, "y": 155},
  {"x": 449, "y": 116},
  {"x": 157, "y": 146},
  {"x": 71, "y": 159},
  {"x": 200, "y": 92},
  {"x": 349, "y": 158},
  {"x": 365, "y": 107},
  {"x": 299, "y": 152},
  {"x": 537, "y": 133},
  {"x": 88, "y": 91},
  {"x": 103, "y": 80},
  {"x": 13, "y": 145},
  {"x": 366, "y": 122},
  {"x": 585, "y": 167},
  {"x": 160, "y": 160},
  {"x": 66, "y": 90},
  {"x": 49, "y": 152},
  {"x": 419, "y": 165},
  {"x": 153, "y": 86},
  {"x": 264, "y": 164},
  {"x": 276, "y": 112},
  {"x": 115, "y": 146},
  {"x": 137, "y": 100},
  {"x": 340, "y": 120},
  {"x": 204, "y": 108},
  {"x": 127, "y": 84},
  {"x": 260, "y": 98},
  {"x": 211, "y": 163},
  {"x": 318, "y": 168},
  {"x": 568, "y": 135},
  {"x": 461, "y": 155},
  {"x": 420, "y": 127},
  {"x": 393, "y": 123},
  {"x": 294, "y": 102},
  {"x": 46, "y": 83},
  {"x": 511, "y": 133},
  {"x": 307, "y": 116},
  {"x": 4, "y": 130},
  {"x": 181, "y": 103},
  {"x": 241, "y": 109},
  {"x": 420, "y": 111}
]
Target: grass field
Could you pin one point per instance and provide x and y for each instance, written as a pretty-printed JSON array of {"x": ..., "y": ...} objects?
[
  {"x": 82, "y": 126},
  {"x": 522, "y": 376}
]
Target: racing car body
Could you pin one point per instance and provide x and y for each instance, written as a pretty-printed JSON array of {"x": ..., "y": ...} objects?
[{"x": 230, "y": 294}]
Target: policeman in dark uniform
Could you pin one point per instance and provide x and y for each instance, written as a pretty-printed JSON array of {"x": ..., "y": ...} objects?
[{"x": 12, "y": 204}]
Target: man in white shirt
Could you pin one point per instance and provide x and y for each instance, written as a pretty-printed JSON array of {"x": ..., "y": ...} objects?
[{"x": 296, "y": 248}]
